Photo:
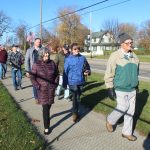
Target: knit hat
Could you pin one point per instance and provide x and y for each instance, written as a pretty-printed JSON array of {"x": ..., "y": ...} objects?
[
  {"x": 123, "y": 37},
  {"x": 14, "y": 45}
]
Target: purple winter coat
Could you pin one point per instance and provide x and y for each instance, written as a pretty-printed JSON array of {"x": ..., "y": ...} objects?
[{"x": 44, "y": 77}]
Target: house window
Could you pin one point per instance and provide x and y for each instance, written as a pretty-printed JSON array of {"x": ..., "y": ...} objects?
[
  {"x": 94, "y": 39},
  {"x": 94, "y": 48}
]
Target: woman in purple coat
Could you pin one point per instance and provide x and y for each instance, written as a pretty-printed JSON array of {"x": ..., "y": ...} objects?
[{"x": 45, "y": 79}]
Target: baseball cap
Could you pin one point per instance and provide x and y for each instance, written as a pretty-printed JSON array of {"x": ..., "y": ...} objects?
[{"x": 66, "y": 46}]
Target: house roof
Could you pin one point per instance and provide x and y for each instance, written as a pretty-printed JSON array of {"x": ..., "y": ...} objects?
[{"x": 97, "y": 34}]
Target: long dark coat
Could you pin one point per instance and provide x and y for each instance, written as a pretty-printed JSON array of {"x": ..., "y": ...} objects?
[{"x": 44, "y": 77}]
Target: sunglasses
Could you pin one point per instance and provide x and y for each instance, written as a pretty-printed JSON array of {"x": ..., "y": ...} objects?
[
  {"x": 128, "y": 43},
  {"x": 77, "y": 48}
]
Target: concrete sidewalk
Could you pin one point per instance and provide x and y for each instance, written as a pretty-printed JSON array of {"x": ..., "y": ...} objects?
[{"x": 88, "y": 134}]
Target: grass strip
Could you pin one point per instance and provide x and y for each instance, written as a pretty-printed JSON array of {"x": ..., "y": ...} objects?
[{"x": 16, "y": 132}]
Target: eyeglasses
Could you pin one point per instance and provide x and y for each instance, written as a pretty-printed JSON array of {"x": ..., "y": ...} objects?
[{"x": 128, "y": 43}]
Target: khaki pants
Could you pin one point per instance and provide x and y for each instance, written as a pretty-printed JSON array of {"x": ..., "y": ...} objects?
[{"x": 125, "y": 106}]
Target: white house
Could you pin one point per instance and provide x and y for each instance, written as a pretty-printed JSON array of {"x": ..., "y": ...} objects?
[{"x": 100, "y": 42}]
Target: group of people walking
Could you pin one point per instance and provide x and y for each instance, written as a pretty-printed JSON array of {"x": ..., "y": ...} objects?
[{"x": 68, "y": 72}]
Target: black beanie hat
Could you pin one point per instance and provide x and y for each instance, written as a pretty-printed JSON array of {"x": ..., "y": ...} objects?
[{"x": 123, "y": 37}]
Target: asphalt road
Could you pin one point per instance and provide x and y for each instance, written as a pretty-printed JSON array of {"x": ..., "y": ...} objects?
[{"x": 99, "y": 66}]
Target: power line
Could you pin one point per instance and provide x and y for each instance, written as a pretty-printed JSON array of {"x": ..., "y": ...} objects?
[
  {"x": 71, "y": 13},
  {"x": 83, "y": 9},
  {"x": 106, "y": 7}
]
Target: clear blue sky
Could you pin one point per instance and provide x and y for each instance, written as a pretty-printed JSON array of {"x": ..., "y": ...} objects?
[{"x": 133, "y": 11}]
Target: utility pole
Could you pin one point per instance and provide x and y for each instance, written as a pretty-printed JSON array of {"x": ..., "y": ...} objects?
[
  {"x": 90, "y": 34},
  {"x": 41, "y": 20}
]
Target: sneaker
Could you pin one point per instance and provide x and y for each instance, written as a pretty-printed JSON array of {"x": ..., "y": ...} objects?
[
  {"x": 109, "y": 127},
  {"x": 15, "y": 88},
  {"x": 75, "y": 117},
  {"x": 47, "y": 131},
  {"x": 20, "y": 87},
  {"x": 57, "y": 97},
  {"x": 67, "y": 99},
  {"x": 129, "y": 137}
]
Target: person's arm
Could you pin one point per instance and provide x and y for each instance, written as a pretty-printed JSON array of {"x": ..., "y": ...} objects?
[
  {"x": 110, "y": 72},
  {"x": 56, "y": 74},
  {"x": 86, "y": 68},
  {"x": 109, "y": 77},
  {"x": 34, "y": 76},
  {"x": 65, "y": 74},
  {"x": 6, "y": 56},
  {"x": 27, "y": 63}
]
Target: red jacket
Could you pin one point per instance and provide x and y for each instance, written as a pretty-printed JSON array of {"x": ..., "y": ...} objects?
[
  {"x": 44, "y": 77},
  {"x": 3, "y": 56}
]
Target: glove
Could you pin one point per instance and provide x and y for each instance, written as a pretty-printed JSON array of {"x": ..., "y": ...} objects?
[
  {"x": 111, "y": 93},
  {"x": 137, "y": 89}
]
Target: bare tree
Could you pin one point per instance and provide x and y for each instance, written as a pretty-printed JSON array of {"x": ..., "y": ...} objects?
[
  {"x": 112, "y": 26},
  {"x": 4, "y": 23},
  {"x": 46, "y": 35},
  {"x": 21, "y": 31},
  {"x": 131, "y": 29},
  {"x": 144, "y": 36}
]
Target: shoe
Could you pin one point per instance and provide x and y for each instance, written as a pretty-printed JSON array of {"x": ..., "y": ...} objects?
[
  {"x": 15, "y": 88},
  {"x": 47, "y": 131},
  {"x": 37, "y": 101},
  {"x": 66, "y": 99},
  {"x": 109, "y": 127},
  {"x": 57, "y": 97},
  {"x": 130, "y": 137},
  {"x": 20, "y": 87},
  {"x": 75, "y": 117}
]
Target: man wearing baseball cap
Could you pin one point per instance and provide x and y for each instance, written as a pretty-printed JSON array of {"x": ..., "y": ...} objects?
[
  {"x": 121, "y": 80},
  {"x": 16, "y": 60}
]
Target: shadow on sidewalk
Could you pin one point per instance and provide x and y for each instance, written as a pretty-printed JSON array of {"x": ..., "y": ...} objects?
[
  {"x": 141, "y": 100},
  {"x": 28, "y": 86},
  {"x": 23, "y": 100},
  {"x": 60, "y": 113},
  {"x": 89, "y": 101},
  {"x": 93, "y": 98},
  {"x": 146, "y": 143},
  {"x": 60, "y": 121},
  {"x": 57, "y": 138}
]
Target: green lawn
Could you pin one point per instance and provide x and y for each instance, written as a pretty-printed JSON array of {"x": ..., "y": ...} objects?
[
  {"x": 95, "y": 97},
  {"x": 142, "y": 58},
  {"x": 16, "y": 132}
]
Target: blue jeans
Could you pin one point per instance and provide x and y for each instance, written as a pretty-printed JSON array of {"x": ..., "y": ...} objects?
[
  {"x": 16, "y": 77},
  {"x": 35, "y": 92},
  {"x": 3, "y": 68},
  {"x": 76, "y": 91},
  {"x": 1, "y": 71}
]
